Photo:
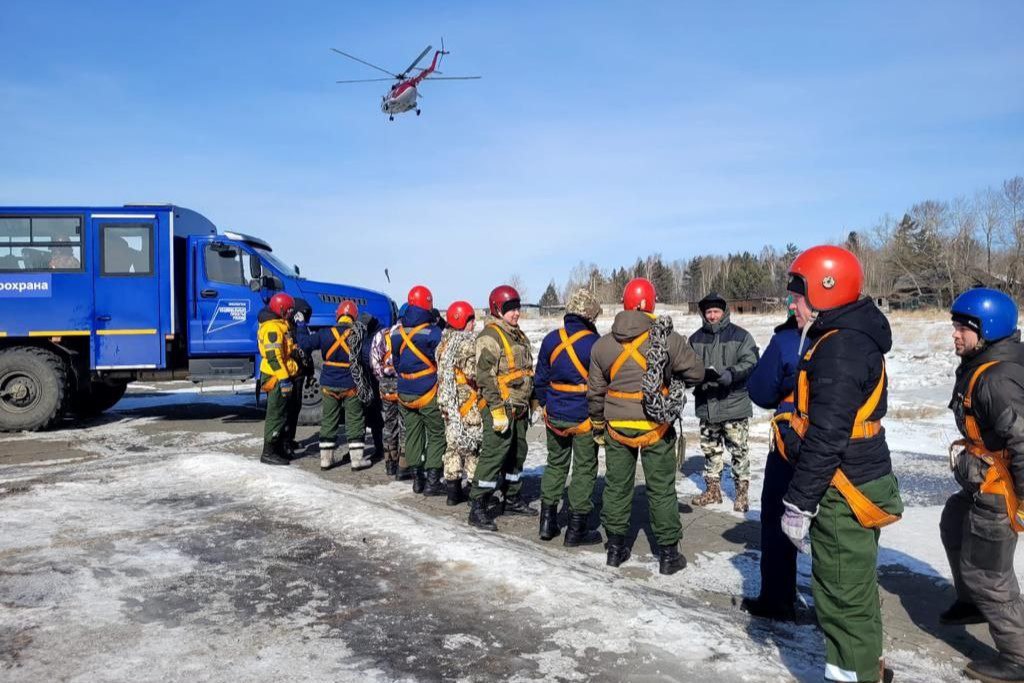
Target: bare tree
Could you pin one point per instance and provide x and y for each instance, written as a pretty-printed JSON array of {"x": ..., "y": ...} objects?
[
  {"x": 990, "y": 206},
  {"x": 515, "y": 280}
]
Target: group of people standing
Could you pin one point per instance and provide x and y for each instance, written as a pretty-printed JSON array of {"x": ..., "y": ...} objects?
[{"x": 464, "y": 401}]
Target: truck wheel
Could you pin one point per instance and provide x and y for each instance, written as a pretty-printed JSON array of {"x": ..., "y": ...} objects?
[
  {"x": 312, "y": 401},
  {"x": 97, "y": 397},
  {"x": 33, "y": 388}
]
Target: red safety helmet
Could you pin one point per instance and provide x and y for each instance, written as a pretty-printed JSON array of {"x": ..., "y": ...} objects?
[
  {"x": 827, "y": 276},
  {"x": 281, "y": 304},
  {"x": 348, "y": 308},
  {"x": 421, "y": 297},
  {"x": 639, "y": 295},
  {"x": 503, "y": 298},
  {"x": 459, "y": 314}
]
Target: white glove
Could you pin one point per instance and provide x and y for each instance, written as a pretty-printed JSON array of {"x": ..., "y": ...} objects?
[
  {"x": 796, "y": 524},
  {"x": 299, "y": 317}
]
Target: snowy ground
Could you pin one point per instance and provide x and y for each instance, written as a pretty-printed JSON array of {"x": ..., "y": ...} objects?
[{"x": 150, "y": 545}]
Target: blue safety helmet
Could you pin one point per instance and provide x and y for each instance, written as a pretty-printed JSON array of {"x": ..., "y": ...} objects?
[
  {"x": 989, "y": 312},
  {"x": 402, "y": 309}
]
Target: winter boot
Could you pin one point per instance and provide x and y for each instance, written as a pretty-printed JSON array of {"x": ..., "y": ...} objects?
[
  {"x": 742, "y": 503},
  {"x": 763, "y": 609},
  {"x": 885, "y": 674},
  {"x": 548, "y": 521},
  {"x": 998, "y": 670},
  {"x": 433, "y": 487},
  {"x": 577, "y": 533},
  {"x": 390, "y": 463},
  {"x": 272, "y": 455},
  {"x": 670, "y": 560},
  {"x": 357, "y": 456},
  {"x": 713, "y": 494},
  {"x": 496, "y": 505},
  {"x": 326, "y": 458},
  {"x": 419, "y": 481},
  {"x": 962, "y": 613},
  {"x": 291, "y": 447},
  {"x": 618, "y": 552},
  {"x": 403, "y": 472},
  {"x": 456, "y": 494},
  {"x": 515, "y": 505},
  {"x": 478, "y": 516}
]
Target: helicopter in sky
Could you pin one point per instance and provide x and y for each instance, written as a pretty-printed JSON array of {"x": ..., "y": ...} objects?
[{"x": 403, "y": 94}]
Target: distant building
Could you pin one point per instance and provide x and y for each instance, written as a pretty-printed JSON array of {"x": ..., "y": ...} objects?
[{"x": 766, "y": 304}]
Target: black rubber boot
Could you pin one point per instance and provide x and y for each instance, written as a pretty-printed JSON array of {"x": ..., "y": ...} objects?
[
  {"x": 391, "y": 467},
  {"x": 962, "y": 613},
  {"x": 434, "y": 486},
  {"x": 548, "y": 521},
  {"x": 764, "y": 609},
  {"x": 618, "y": 552},
  {"x": 419, "y": 481},
  {"x": 291, "y": 447},
  {"x": 404, "y": 472},
  {"x": 669, "y": 559},
  {"x": 515, "y": 505},
  {"x": 478, "y": 516},
  {"x": 998, "y": 670},
  {"x": 456, "y": 494},
  {"x": 272, "y": 455},
  {"x": 577, "y": 533}
]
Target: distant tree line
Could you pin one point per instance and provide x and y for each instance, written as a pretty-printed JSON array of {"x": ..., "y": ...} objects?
[{"x": 925, "y": 258}]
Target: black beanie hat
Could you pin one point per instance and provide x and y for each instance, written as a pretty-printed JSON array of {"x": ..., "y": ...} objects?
[{"x": 712, "y": 300}]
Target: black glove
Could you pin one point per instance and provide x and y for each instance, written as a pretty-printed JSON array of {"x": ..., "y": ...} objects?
[{"x": 710, "y": 375}]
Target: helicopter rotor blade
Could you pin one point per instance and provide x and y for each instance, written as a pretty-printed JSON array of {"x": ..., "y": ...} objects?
[
  {"x": 416, "y": 61},
  {"x": 366, "y": 80},
  {"x": 453, "y": 78},
  {"x": 363, "y": 61}
]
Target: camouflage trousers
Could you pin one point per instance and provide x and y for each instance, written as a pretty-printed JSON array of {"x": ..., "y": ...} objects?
[
  {"x": 458, "y": 461},
  {"x": 715, "y": 437},
  {"x": 394, "y": 430}
]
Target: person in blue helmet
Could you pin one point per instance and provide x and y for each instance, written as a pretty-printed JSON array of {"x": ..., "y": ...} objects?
[
  {"x": 771, "y": 387},
  {"x": 980, "y": 522}
]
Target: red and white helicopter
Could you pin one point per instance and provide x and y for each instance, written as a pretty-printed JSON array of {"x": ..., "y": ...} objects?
[{"x": 402, "y": 95}]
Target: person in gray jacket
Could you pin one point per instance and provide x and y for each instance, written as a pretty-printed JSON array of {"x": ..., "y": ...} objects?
[{"x": 721, "y": 401}]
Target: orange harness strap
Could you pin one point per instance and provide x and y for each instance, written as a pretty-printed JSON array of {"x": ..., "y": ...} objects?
[
  {"x": 998, "y": 480},
  {"x": 868, "y": 514},
  {"x": 513, "y": 374},
  {"x": 568, "y": 346},
  {"x": 630, "y": 349},
  {"x": 474, "y": 396},
  {"x": 641, "y": 441},
  {"x": 339, "y": 343},
  {"x": 408, "y": 343},
  {"x": 581, "y": 428},
  {"x": 339, "y": 395},
  {"x": 420, "y": 402}
]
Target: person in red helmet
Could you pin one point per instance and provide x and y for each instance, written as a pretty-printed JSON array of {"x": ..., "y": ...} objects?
[
  {"x": 278, "y": 376},
  {"x": 504, "y": 374},
  {"x": 843, "y": 489},
  {"x": 414, "y": 346},
  {"x": 635, "y": 391},
  {"x": 343, "y": 386},
  {"x": 459, "y": 398}
]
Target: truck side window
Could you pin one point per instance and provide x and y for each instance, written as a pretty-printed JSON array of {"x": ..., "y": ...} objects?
[
  {"x": 40, "y": 243},
  {"x": 224, "y": 264},
  {"x": 127, "y": 249}
]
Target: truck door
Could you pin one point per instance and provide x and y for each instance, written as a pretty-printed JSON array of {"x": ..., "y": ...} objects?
[
  {"x": 127, "y": 261},
  {"x": 227, "y": 307}
]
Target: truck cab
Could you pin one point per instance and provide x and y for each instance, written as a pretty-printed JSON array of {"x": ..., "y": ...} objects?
[{"x": 92, "y": 298}]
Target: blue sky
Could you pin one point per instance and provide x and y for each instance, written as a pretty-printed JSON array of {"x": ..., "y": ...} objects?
[{"x": 600, "y": 131}]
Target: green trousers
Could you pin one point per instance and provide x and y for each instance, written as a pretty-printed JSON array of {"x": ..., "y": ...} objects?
[
  {"x": 335, "y": 410},
  {"x": 282, "y": 411},
  {"x": 581, "y": 451},
  {"x": 501, "y": 458},
  {"x": 845, "y": 581},
  {"x": 659, "y": 463},
  {"x": 424, "y": 434}
]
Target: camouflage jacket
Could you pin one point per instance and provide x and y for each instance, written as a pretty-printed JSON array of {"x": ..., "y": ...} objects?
[
  {"x": 504, "y": 380},
  {"x": 456, "y": 353}
]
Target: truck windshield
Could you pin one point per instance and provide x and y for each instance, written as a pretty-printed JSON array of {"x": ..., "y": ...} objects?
[{"x": 276, "y": 262}]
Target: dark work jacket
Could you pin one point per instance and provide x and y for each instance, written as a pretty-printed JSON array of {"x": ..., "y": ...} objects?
[
  {"x": 774, "y": 376},
  {"x": 562, "y": 405},
  {"x": 842, "y": 374},
  {"x": 331, "y": 376},
  {"x": 998, "y": 403},
  {"x": 724, "y": 346},
  {"x": 406, "y": 362}
]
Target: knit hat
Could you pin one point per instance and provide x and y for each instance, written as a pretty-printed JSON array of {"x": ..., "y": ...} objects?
[
  {"x": 712, "y": 300},
  {"x": 584, "y": 304}
]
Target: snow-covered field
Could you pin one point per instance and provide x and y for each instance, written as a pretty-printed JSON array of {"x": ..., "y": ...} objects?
[{"x": 144, "y": 548}]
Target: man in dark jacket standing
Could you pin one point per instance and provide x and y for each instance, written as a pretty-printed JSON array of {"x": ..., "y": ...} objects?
[
  {"x": 980, "y": 522},
  {"x": 771, "y": 386},
  {"x": 843, "y": 490},
  {"x": 721, "y": 401}
]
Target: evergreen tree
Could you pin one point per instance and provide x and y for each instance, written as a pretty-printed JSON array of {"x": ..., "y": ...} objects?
[{"x": 550, "y": 296}]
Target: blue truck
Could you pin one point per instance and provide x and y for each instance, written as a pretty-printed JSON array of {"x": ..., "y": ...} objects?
[{"x": 93, "y": 298}]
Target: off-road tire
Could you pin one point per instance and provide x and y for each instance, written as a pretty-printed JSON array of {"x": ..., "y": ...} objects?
[
  {"x": 312, "y": 399},
  {"x": 97, "y": 397},
  {"x": 47, "y": 373}
]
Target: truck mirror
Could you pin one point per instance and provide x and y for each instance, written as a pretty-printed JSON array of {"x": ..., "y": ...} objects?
[{"x": 297, "y": 271}]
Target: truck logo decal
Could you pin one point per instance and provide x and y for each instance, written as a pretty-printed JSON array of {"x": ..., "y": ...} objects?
[
  {"x": 229, "y": 312},
  {"x": 26, "y": 286}
]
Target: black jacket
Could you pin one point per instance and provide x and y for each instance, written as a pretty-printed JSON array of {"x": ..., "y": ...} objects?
[
  {"x": 842, "y": 373},
  {"x": 998, "y": 403}
]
